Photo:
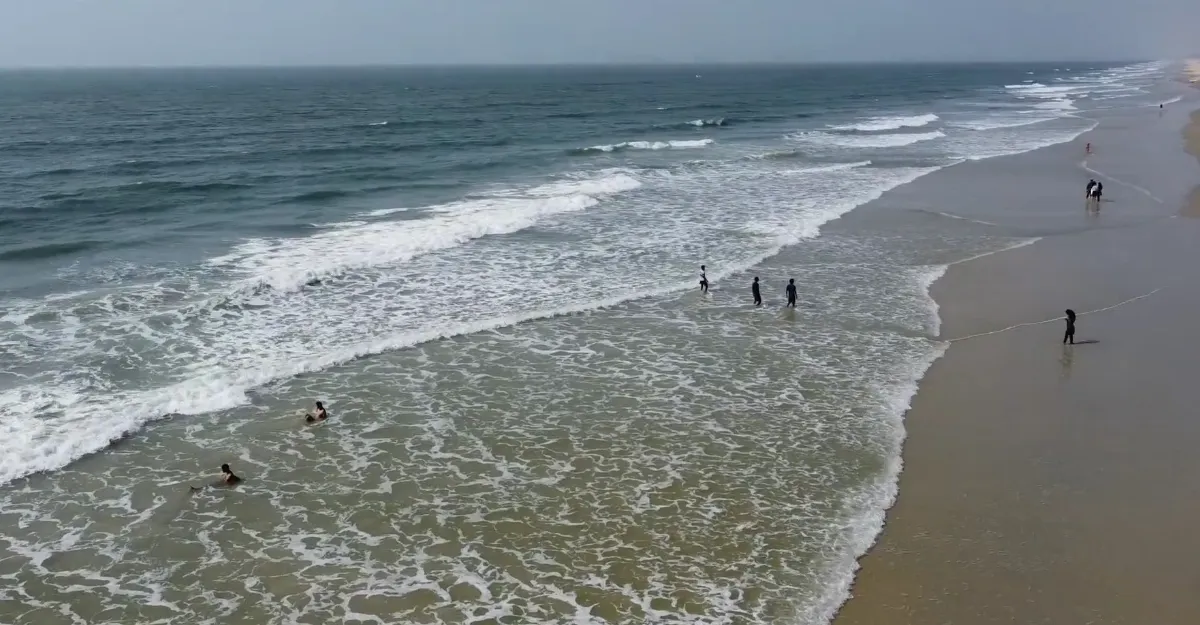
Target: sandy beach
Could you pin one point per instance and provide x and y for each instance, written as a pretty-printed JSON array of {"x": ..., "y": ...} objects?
[
  {"x": 1046, "y": 483},
  {"x": 1192, "y": 70}
]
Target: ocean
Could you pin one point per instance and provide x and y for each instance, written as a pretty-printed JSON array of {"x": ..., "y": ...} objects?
[{"x": 490, "y": 277}]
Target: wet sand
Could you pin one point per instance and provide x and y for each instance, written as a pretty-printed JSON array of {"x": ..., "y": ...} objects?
[{"x": 1052, "y": 484}]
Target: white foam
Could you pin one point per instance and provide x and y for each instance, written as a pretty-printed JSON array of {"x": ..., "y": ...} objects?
[
  {"x": 223, "y": 356},
  {"x": 679, "y": 144},
  {"x": 700, "y": 123},
  {"x": 289, "y": 264},
  {"x": 606, "y": 182},
  {"x": 875, "y": 124},
  {"x": 895, "y": 140},
  {"x": 1013, "y": 141},
  {"x": 1042, "y": 91},
  {"x": 1063, "y": 104},
  {"x": 867, "y": 509},
  {"x": 999, "y": 122}
]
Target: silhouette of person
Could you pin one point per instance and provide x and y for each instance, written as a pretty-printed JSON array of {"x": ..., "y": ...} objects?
[
  {"x": 703, "y": 280},
  {"x": 756, "y": 293},
  {"x": 791, "y": 292},
  {"x": 1070, "y": 334},
  {"x": 320, "y": 415}
]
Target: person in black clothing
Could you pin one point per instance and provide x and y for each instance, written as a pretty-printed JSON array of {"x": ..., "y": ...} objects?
[
  {"x": 1069, "y": 337},
  {"x": 320, "y": 414},
  {"x": 1097, "y": 191},
  {"x": 754, "y": 290},
  {"x": 1091, "y": 185},
  {"x": 791, "y": 292},
  {"x": 703, "y": 280},
  {"x": 227, "y": 478}
]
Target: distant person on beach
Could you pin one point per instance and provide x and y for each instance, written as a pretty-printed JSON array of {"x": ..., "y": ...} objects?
[
  {"x": 1091, "y": 185},
  {"x": 1097, "y": 191},
  {"x": 1069, "y": 337},
  {"x": 318, "y": 415},
  {"x": 791, "y": 292},
  {"x": 1087, "y": 148},
  {"x": 703, "y": 280},
  {"x": 756, "y": 293}
]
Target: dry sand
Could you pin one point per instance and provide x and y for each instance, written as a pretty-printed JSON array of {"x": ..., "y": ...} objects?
[{"x": 1057, "y": 485}]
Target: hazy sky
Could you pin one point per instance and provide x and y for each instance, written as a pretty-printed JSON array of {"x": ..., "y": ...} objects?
[{"x": 325, "y": 32}]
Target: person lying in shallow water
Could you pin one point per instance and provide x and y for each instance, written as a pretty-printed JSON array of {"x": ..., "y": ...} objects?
[
  {"x": 319, "y": 415},
  {"x": 227, "y": 479}
]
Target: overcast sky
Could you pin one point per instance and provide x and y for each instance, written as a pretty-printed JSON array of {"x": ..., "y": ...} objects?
[{"x": 335, "y": 32}]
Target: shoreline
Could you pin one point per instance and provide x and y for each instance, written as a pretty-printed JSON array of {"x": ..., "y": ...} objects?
[{"x": 946, "y": 554}]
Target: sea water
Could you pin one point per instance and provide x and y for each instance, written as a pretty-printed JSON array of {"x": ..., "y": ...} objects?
[{"x": 490, "y": 277}]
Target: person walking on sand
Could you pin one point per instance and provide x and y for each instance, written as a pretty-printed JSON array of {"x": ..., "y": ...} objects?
[
  {"x": 1097, "y": 191},
  {"x": 703, "y": 280},
  {"x": 1091, "y": 185},
  {"x": 754, "y": 290},
  {"x": 1069, "y": 337},
  {"x": 791, "y": 293},
  {"x": 1087, "y": 148}
]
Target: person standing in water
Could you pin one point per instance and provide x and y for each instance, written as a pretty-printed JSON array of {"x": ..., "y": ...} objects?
[
  {"x": 1069, "y": 337},
  {"x": 703, "y": 280},
  {"x": 754, "y": 290},
  {"x": 791, "y": 292}
]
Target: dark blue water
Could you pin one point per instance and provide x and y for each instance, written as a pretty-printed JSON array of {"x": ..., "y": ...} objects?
[{"x": 169, "y": 165}]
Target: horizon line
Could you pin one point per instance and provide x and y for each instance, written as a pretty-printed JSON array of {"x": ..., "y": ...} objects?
[{"x": 516, "y": 65}]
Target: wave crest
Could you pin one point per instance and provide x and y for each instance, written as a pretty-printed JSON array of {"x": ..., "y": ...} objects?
[
  {"x": 876, "y": 124},
  {"x": 648, "y": 145},
  {"x": 894, "y": 140}
]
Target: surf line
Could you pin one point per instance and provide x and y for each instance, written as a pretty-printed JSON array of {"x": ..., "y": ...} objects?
[
  {"x": 1054, "y": 320},
  {"x": 1084, "y": 165}
]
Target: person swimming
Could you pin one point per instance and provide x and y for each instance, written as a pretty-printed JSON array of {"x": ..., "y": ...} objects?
[
  {"x": 791, "y": 292},
  {"x": 1070, "y": 334},
  {"x": 319, "y": 415},
  {"x": 227, "y": 479},
  {"x": 754, "y": 290},
  {"x": 703, "y": 280},
  {"x": 227, "y": 476}
]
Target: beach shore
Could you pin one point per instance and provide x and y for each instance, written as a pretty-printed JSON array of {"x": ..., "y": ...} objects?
[
  {"x": 1046, "y": 483},
  {"x": 1192, "y": 70}
]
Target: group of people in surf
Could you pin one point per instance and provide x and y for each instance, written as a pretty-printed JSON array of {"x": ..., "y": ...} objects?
[
  {"x": 789, "y": 291},
  {"x": 228, "y": 478},
  {"x": 1093, "y": 193}
]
